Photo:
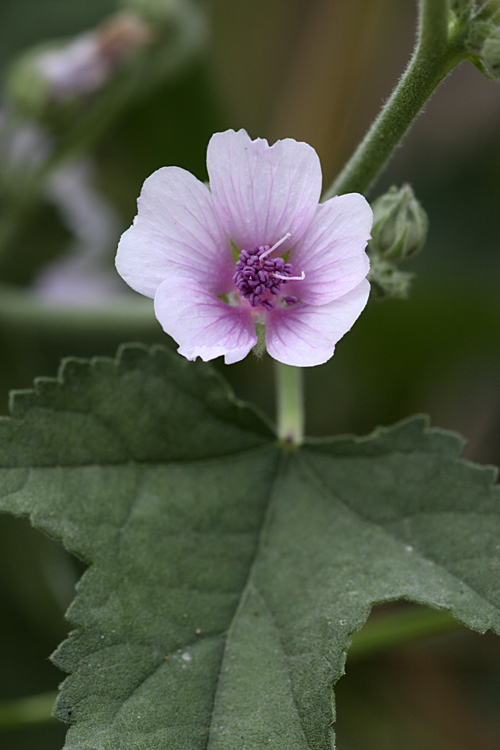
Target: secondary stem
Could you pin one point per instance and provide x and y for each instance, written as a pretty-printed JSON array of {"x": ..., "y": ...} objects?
[
  {"x": 399, "y": 628},
  {"x": 35, "y": 709},
  {"x": 290, "y": 403},
  {"x": 432, "y": 59},
  {"x": 383, "y": 633}
]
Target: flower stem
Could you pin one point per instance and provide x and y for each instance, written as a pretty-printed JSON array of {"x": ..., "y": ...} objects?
[
  {"x": 290, "y": 404},
  {"x": 434, "y": 56},
  {"x": 36, "y": 709},
  {"x": 398, "y": 628}
]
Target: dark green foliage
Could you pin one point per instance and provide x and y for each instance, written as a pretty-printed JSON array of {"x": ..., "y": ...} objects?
[{"x": 226, "y": 576}]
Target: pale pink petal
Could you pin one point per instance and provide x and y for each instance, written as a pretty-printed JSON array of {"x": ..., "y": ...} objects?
[
  {"x": 203, "y": 325},
  {"x": 261, "y": 192},
  {"x": 175, "y": 231},
  {"x": 332, "y": 253},
  {"x": 305, "y": 335}
]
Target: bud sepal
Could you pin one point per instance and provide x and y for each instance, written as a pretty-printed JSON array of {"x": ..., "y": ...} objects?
[{"x": 399, "y": 226}]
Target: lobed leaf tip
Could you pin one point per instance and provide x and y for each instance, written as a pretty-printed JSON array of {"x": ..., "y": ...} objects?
[
  {"x": 73, "y": 368},
  {"x": 130, "y": 354}
]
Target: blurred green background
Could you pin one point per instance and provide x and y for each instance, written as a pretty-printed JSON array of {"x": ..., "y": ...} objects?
[{"x": 314, "y": 70}]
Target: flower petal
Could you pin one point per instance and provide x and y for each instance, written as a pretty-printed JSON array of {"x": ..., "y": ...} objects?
[
  {"x": 261, "y": 192},
  {"x": 305, "y": 335},
  {"x": 332, "y": 253},
  {"x": 203, "y": 325},
  {"x": 176, "y": 231}
]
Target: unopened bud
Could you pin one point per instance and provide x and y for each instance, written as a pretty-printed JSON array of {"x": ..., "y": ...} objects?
[
  {"x": 157, "y": 11},
  {"x": 477, "y": 26},
  {"x": 27, "y": 90},
  {"x": 88, "y": 62},
  {"x": 67, "y": 72},
  {"x": 490, "y": 53},
  {"x": 387, "y": 281},
  {"x": 399, "y": 225},
  {"x": 460, "y": 6}
]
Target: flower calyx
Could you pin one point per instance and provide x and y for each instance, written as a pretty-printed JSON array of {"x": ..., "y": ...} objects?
[
  {"x": 399, "y": 225},
  {"x": 475, "y": 34},
  {"x": 399, "y": 232}
]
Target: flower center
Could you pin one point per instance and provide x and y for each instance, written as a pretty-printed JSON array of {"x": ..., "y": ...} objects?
[{"x": 260, "y": 277}]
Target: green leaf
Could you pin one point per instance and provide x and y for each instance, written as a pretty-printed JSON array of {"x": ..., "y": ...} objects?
[{"x": 227, "y": 574}]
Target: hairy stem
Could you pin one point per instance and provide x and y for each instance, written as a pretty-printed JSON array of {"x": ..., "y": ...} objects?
[
  {"x": 290, "y": 404},
  {"x": 433, "y": 58}
]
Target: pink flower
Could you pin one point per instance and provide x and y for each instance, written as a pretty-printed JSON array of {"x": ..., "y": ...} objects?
[
  {"x": 86, "y": 63},
  {"x": 212, "y": 258}
]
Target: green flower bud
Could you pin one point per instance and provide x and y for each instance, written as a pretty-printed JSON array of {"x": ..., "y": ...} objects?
[
  {"x": 475, "y": 26},
  {"x": 26, "y": 87},
  {"x": 387, "y": 280},
  {"x": 399, "y": 225},
  {"x": 157, "y": 12},
  {"x": 461, "y": 6},
  {"x": 490, "y": 54},
  {"x": 54, "y": 81}
]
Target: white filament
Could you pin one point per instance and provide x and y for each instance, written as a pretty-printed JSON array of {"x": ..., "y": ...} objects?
[
  {"x": 277, "y": 244},
  {"x": 290, "y": 278}
]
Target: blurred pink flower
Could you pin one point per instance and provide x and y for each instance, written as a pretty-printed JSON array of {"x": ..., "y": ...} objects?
[
  {"x": 85, "y": 64},
  {"x": 212, "y": 258}
]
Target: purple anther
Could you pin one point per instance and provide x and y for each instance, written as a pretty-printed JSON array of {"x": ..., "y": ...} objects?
[{"x": 259, "y": 276}]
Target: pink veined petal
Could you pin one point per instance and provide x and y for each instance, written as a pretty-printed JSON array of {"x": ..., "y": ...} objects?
[
  {"x": 176, "y": 231},
  {"x": 261, "y": 192},
  {"x": 203, "y": 325},
  {"x": 305, "y": 335},
  {"x": 332, "y": 253}
]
